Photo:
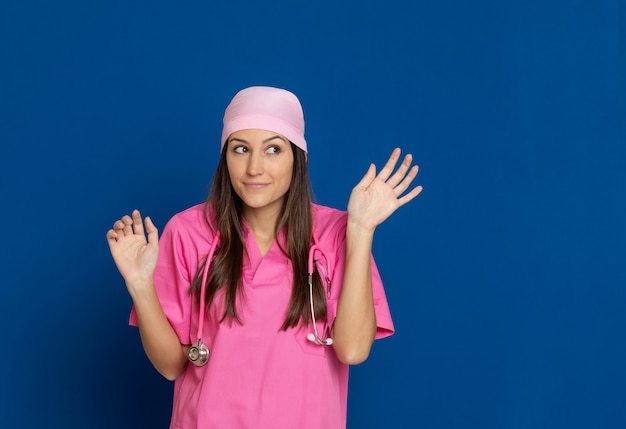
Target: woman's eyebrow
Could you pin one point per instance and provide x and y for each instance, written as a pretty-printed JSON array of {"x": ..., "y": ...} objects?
[
  {"x": 272, "y": 138},
  {"x": 236, "y": 139},
  {"x": 267, "y": 140}
]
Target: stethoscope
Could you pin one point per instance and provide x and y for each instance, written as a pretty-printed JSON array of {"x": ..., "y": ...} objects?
[{"x": 198, "y": 353}]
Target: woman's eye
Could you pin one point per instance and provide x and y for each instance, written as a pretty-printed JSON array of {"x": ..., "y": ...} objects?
[
  {"x": 273, "y": 149},
  {"x": 239, "y": 149}
]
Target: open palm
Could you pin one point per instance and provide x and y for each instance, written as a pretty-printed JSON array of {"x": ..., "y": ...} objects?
[
  {"x": 376, "y": 197},
  {"x": 135, "y": 255}
]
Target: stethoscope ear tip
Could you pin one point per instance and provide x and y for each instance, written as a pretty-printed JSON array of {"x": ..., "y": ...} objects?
[{"x": 312, "y": 338}]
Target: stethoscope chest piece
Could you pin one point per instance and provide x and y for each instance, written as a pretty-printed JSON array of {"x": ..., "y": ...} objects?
[{"x": 198, "y": 353}]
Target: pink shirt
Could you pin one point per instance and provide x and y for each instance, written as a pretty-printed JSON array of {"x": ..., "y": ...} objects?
[{"x": 257, "y": 376}]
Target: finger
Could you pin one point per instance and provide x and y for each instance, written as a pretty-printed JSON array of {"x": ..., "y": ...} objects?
[
  {"x": 400, "y": 173},
  {"x": 111, "y": 237},
  {"x": 370, "y": 175},
  {"x": 390, "y": 165},
  {"x": 408, "y": 197},
  {"x": 128, "y": 222},
  {"x": 404, "y": 185},
  {"x": 118, "y": 227},
  {"x": 153, "y": 232},
  {"x": 137, "y": 223}
]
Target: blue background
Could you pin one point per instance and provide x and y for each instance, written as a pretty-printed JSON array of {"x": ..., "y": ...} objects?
[{"x": 505, "y": 278}]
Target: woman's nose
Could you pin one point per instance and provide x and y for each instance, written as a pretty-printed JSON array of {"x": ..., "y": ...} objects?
[{"x": 255, "y": 164}]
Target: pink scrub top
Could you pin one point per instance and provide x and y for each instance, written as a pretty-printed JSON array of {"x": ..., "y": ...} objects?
[{"x": 258, "y": 376}]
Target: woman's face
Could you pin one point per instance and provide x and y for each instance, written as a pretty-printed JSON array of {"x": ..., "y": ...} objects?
[{"x": 260, "y": 166}]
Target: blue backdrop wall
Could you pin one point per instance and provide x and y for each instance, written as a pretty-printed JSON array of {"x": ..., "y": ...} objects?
[{"x": 505, "y": 277}]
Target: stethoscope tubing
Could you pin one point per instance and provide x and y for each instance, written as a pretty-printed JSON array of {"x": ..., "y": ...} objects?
[
  {"x": 313, "y": 337},
  {"x": 205, "y": 275}
]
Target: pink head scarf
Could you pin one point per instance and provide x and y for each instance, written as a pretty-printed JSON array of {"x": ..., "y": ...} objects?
[{"x": 266, "y": 108}]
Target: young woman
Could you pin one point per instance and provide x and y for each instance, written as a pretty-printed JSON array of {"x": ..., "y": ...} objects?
[{"x": 257, "y": 301}]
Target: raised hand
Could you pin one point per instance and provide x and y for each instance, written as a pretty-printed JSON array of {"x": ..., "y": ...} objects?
[
  {"x": 376, "y": 197},
  {"x": 134, "y": 255}
]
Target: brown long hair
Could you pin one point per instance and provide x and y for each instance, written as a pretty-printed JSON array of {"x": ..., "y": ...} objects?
[{"x": 223, "y": 212}]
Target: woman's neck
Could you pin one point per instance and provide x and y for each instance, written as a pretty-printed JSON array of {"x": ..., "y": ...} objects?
[{"x": 262, "y": 224}]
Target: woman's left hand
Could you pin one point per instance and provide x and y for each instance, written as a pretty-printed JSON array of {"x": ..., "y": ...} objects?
[{"x": 377, "y": 196}]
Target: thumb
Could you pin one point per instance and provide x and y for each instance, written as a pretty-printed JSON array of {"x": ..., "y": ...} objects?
[
  {"x": 153, "y": 232},
  {"x": 369, "y": 177}
]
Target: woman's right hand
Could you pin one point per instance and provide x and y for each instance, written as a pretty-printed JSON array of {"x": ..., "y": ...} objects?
[{"x": 134, "y": 255}]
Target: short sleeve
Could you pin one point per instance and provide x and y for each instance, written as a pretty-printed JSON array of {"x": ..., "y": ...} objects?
[
  {"x": 384, "y": 322},
  {"x": 172, "y": 279}
]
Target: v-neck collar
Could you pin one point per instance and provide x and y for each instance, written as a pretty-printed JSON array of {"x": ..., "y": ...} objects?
[{"x": 253, "y": 252}]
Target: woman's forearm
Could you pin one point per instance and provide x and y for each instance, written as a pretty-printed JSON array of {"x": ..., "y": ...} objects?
[
  {"x": 354, "y": 328},
  {"x": 159, "y": 339}
]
